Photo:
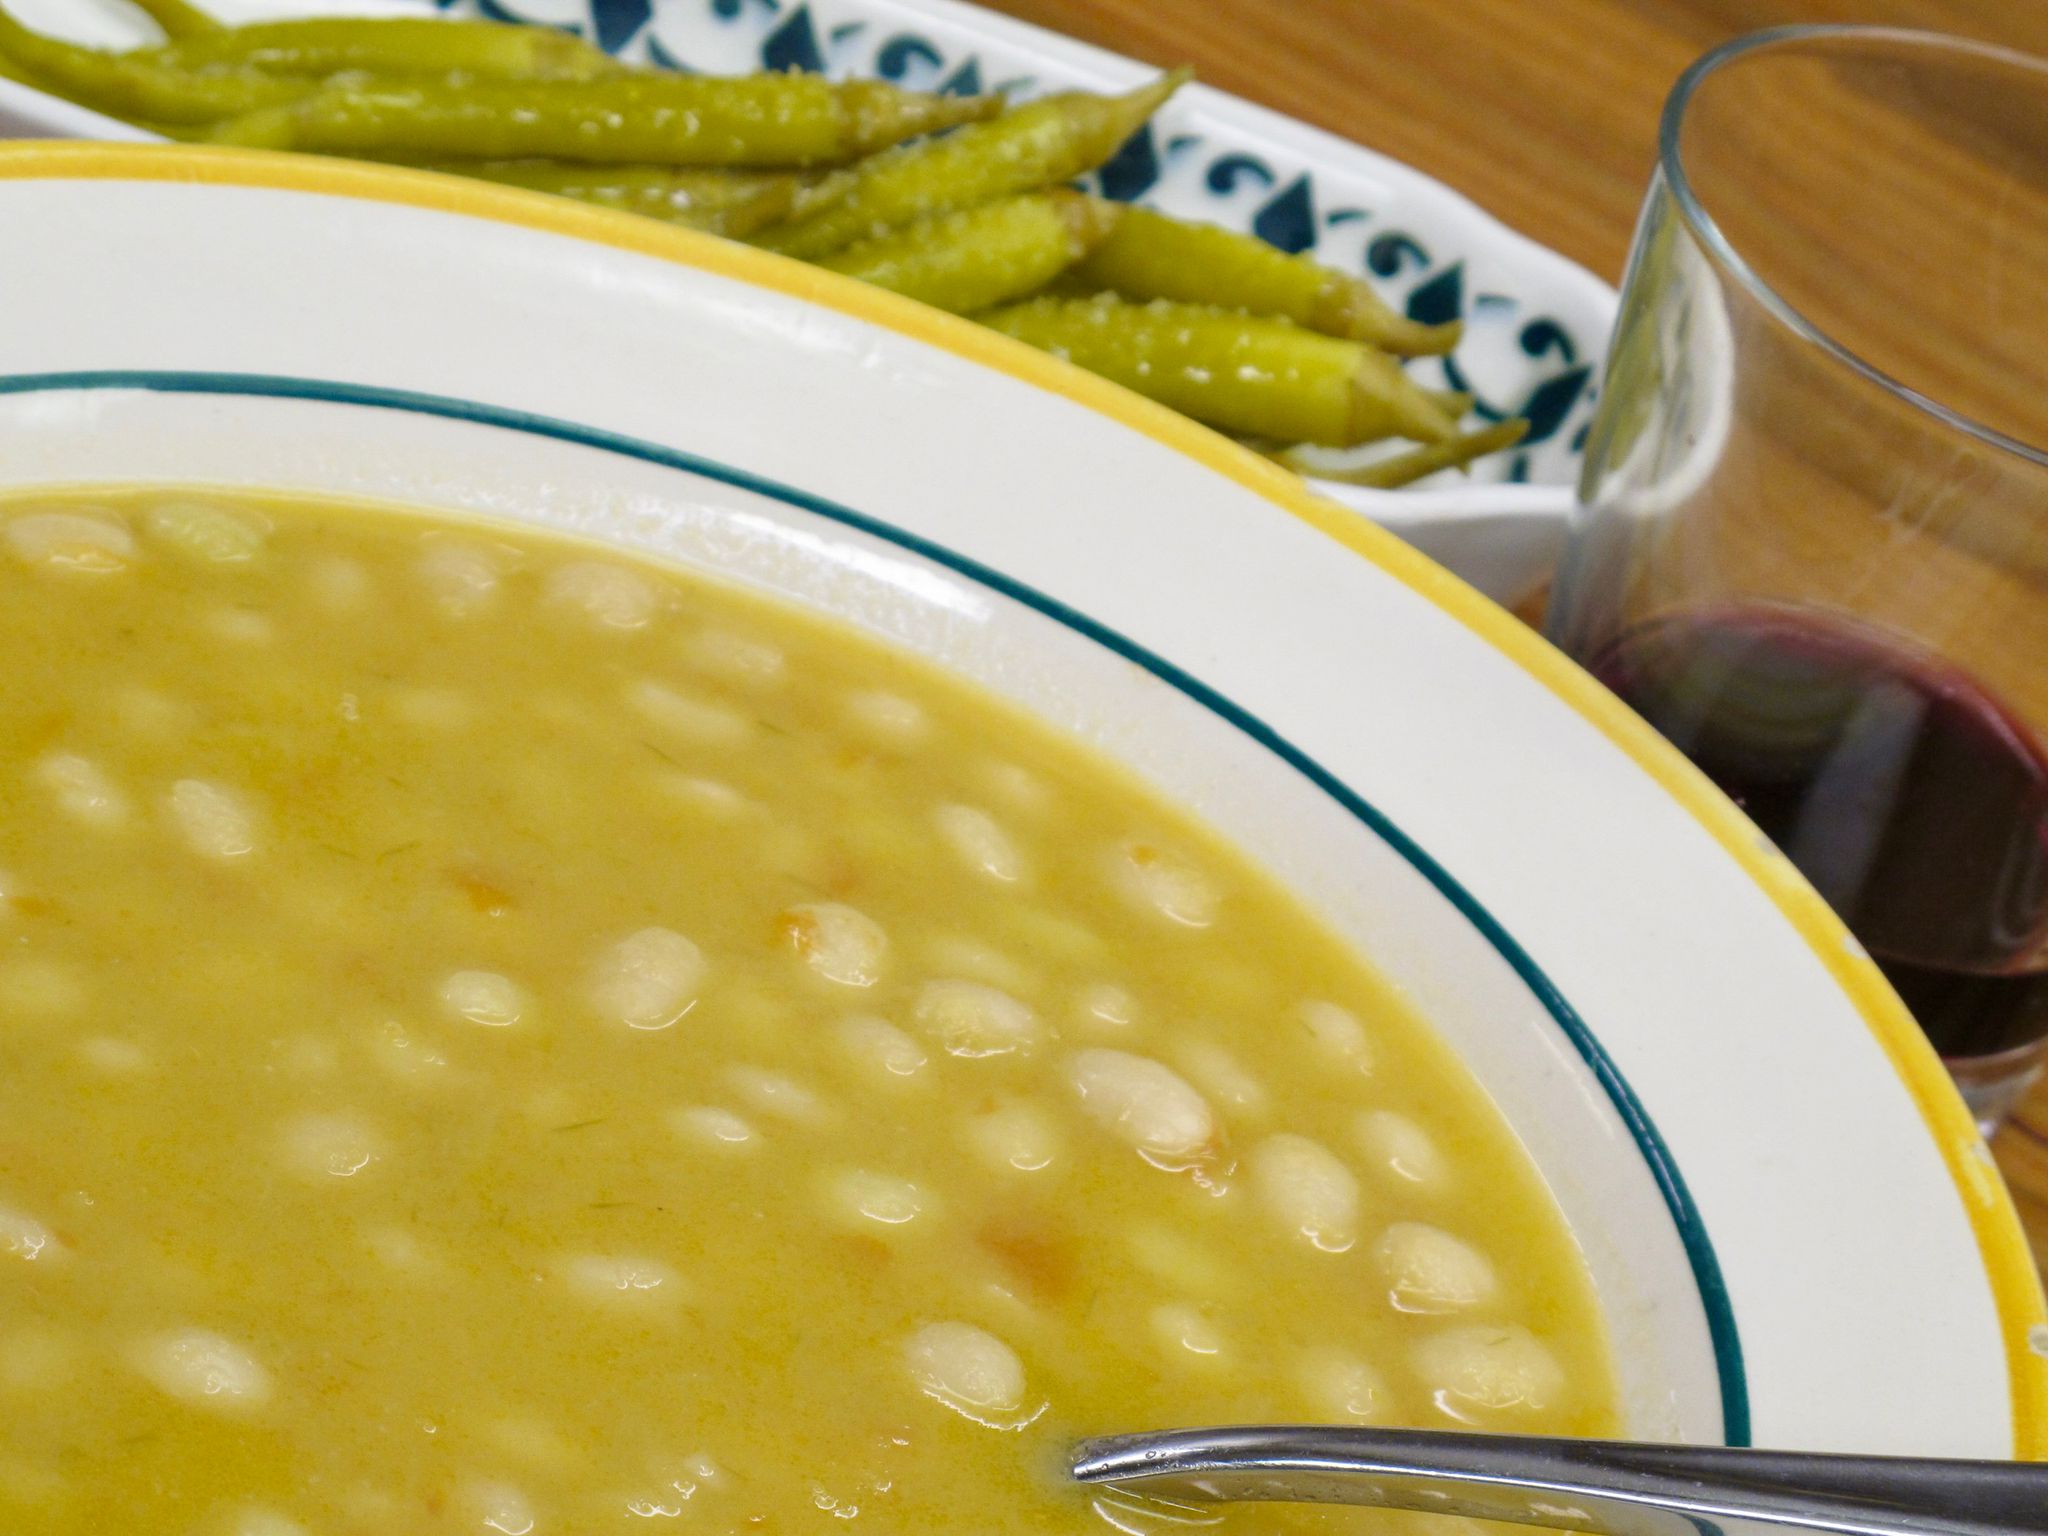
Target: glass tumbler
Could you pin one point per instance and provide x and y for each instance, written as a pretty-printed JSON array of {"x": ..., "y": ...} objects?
[{"x": 1812, "y": 539}]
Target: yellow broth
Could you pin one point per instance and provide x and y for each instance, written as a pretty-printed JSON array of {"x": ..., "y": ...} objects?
[{"x": 497, "y": 1035}]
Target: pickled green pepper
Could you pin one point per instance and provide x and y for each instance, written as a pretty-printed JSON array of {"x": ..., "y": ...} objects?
[
  {"x": 1038, "y": 145},
  {"x": 132, "y": 86},
  {"x": 393, "y": 45},
  {"x": 1256, "y": 378},
  {"x": 178, "y": 18},
  {"x": 1404, "y": 468},
  {"x": 751, "y": 120},
  {"x": 1149, "y": 255},
  {"x": 719, "y": 202},
  {"x": 978, "y": 257}
]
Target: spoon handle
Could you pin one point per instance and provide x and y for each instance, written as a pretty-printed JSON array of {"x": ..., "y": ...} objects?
[{"x": 1615, "y": 1487}]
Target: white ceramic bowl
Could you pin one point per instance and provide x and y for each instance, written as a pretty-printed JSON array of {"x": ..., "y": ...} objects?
[
  {"x": 1795, "y": 1231},
  {"x": 1536, "y": 324}
]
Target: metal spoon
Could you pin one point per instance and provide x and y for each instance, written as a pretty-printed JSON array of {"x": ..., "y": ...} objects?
[{"x": 1612, "y": 1487}]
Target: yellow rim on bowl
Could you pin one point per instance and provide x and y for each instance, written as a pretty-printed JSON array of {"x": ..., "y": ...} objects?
[{"x": 2016, "y": 1288}]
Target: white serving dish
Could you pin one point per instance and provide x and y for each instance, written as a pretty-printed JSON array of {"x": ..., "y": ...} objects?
[
  {"x": 1795, "y": 1230},
  {"x": 1537, "y": 324}
]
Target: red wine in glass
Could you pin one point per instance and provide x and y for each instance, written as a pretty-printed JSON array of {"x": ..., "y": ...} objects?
[{"x": 1910, "y": 798}]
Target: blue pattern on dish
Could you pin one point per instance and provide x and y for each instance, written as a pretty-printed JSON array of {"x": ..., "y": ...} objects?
[{"x": 1514, "y": 362}]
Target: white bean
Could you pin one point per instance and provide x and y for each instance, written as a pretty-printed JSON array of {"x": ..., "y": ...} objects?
[
  {"x": 1051, "y": 937},
  {"x": 24, "y": 1237},
  {"x": 1336, "y": 1034},
  {"x": 1402, "y": 1147},
  {"x": 968, "y": 1019},
  {"x": 649, "y": 979},
  {"x": 1223, "y": 1077},
  {"x": 83, "y": 791},
  {"x": 713, "y": 798},
  {"x": 980, "y": 842},
  {"x": 93, "y": 545},
  {"x": 738, "y": 658},
  {"x": 113, "y": 1056},
  {"x": 402, "y": 1252},
  {"x": 216, "y": 822},
  {"x": 1164, "y": 883},
  {"x": 838, "y": 942},
  {"x": 1017, "y": 1134},
  {"x": 698, "y": 722},
  {"x": 145, "y": 712},
  {"x": 880, "y": 1047},
  {"x": 209, "y": 534},
  {"x": 240, "y": 626},
  {"x": 1488, "y": 1368},
  {"x": 461, "y": 578},
  {"x": 499, "y": 1507},
  {"x": 198, "y": 1366},
  {"x": 340, "y": 585},
  {"x": 1142, "y": 1101},
  {"x": 613, "y": 1279},
  {"x": 775, "y": 1093},
  {"x": 1303, "y": 1185},
  {"x": 1428, "y": 1270},
  {"x": 331, "y": 1146},
  {"x": 484, "y": 997},
  {"x": 1187, "y": 1334},
  {"x": 265, "y": 1522},
  {"x": 967, "y": 1368},
  {"x": 1341, "y": 1387},
  {"x": 858, "y": 1196},
  {"x": 954, "y": 954},
  {"x": 1019, "y": 788},
  {"x": 888, "y": 718},
  {"x": 609, "y": 595},
  {"x": 714, "y": 1127},
  {"x": 1104, "y": 1004}
]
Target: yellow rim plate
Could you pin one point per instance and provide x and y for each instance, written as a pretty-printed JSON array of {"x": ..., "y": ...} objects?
[{"x": 2015, "y": 1286}]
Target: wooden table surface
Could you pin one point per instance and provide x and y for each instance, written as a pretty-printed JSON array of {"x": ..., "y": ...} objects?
[{"x": 1543, "y": 111}]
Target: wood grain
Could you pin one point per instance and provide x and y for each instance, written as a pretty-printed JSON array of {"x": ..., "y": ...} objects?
[{"x": 1545, "y": 114}]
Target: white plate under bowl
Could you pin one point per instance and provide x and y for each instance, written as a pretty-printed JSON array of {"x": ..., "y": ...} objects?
[
  {"x": 1796, "y": 1234},
  {"x": 1536, "y": 324}
]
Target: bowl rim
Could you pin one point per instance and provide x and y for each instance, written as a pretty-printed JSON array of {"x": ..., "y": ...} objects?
[
  {"x": 2014, "y": 1284},
  {"x": 1709, "y": 1282}
]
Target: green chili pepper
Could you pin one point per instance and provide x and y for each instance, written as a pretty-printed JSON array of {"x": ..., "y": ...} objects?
[
  {"x": 1038, "y": 145},
  {"x": 394, "y": 45},
  {"x": 1151, "y": 256},
  {"x": 133, "y": 87},
  {"x": 978, "y": 257},
  {"x": 1240, "y": 374},
  {"x": 1403, "y": 468},
  {"x": 720, "y": 202},
  {"x": 178, "y": 18},
  {"x": 754, "y": 120}
]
